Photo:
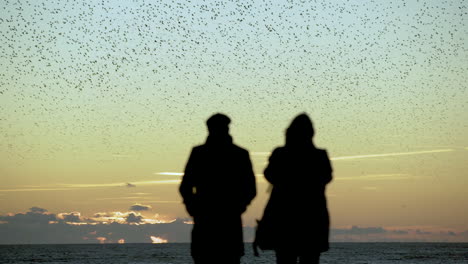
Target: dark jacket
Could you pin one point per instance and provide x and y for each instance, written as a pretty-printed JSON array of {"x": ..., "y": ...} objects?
[
  {"x": 217, "y": 187},
  {"x": 297, "y": 207}
]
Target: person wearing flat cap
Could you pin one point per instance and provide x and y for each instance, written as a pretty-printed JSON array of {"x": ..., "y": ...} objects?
[{"x": 217, "y": 186}]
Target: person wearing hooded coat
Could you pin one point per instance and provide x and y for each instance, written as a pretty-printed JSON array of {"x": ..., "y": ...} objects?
[
  {"x": 217, "y": 186},
  {"x": 297, "y": 208}
]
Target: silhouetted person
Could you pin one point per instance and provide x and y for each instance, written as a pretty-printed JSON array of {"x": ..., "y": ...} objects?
[
  {"x": 297, "y": 207},
  {"x": 217, "y": 187}
]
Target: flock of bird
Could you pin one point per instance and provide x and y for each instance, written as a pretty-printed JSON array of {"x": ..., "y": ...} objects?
[{"x": 83, "y": 76}]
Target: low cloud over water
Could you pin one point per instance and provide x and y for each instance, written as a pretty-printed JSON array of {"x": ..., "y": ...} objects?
[{"x": 39, "y": 226}]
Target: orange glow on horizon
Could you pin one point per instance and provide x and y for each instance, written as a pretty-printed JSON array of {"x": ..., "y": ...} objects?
[{"x": 158, "y": 240}]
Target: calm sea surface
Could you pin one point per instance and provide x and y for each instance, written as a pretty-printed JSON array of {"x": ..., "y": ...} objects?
[{"x": 378, "y": 253}]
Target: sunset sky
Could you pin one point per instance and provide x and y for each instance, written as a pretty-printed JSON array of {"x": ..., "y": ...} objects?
[{"x": 101, "y": 103}]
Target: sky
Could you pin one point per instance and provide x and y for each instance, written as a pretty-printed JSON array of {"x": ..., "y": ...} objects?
[{"x": 102, "y": 101}]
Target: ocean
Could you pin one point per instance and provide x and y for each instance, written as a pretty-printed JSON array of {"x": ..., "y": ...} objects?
[{"x": 362, "y": 253}]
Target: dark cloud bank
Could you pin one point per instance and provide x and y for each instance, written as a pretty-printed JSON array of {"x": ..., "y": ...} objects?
[
  {"x": 140, "y": 207},
  {"x": 38, "y": 226},
  {"x": 41, "y": 227}
]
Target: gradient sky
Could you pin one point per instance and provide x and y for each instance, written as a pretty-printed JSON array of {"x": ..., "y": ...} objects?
[{"x": 98, "y": 101}]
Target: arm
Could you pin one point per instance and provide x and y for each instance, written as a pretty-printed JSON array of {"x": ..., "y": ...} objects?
[
  {"x": 271, "y": 170},
  {"x": 327, "y": 169},
  {"x": 187, "y": 186},
  {"x": 250, "y": 189}
]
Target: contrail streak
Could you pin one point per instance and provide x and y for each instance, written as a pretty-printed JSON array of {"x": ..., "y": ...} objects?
[
  {"x": 63, "y": 187},
  {"x": 157, "y": 182},
  {"x": 395, "y": 176},
  {"x": 374, "y": 155},
  {"x": 66, "y": 187},
  {"x": 168, "y": 173},
  {"x": 391, "y": 154},
  {"x": 36, "y": 189}
]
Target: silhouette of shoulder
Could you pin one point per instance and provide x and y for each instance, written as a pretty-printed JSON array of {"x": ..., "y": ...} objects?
[
  {"x": 322, "y": 151},
  {"x": 240, "y": 150},
  {"x": 277, "y": 151},
  {"x": 234, "y": 148},
  {"x": 197, "y": 148},
  {"x": 282, "y": 148}
]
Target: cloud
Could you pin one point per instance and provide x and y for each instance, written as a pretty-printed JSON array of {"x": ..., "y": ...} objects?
[
  {"x": 399, "y": 234},
  {"x": 42, "y": 227},
  {"x": 419, "y": 232},
  {"x": 98, "y": 215},
  {"x": 450, "y": 233},
  {"x": 355, "y": 230},
  {"x": 73, "y": 217},
  {"x": 36, "y": 215},
  {"x": 38, "y": 210},
  {"x": 128, "y": 217},
  {"x": 110, "y": 217},
  {"x": 133, "y": 218},
  {"x": 101, "y": 240},
  {"x": 63, "y": 233},
  {"x": 47, "y": 228},
  {"x": 139, "y": 207},
  {"x": 76, "y": 234}
]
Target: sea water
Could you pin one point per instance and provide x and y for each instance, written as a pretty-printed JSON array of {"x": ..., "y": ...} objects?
[{"x": 378, "y": 253}]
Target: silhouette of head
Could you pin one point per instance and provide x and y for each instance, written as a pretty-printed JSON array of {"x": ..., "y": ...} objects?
[
  {"x": 300, "y": 131},
  {"x": 218, "y": 124}
]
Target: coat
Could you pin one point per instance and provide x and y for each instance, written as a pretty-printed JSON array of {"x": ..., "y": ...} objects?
[
  {"x": 217, "y": 187},
  {"x": 297, "y": 208}
]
